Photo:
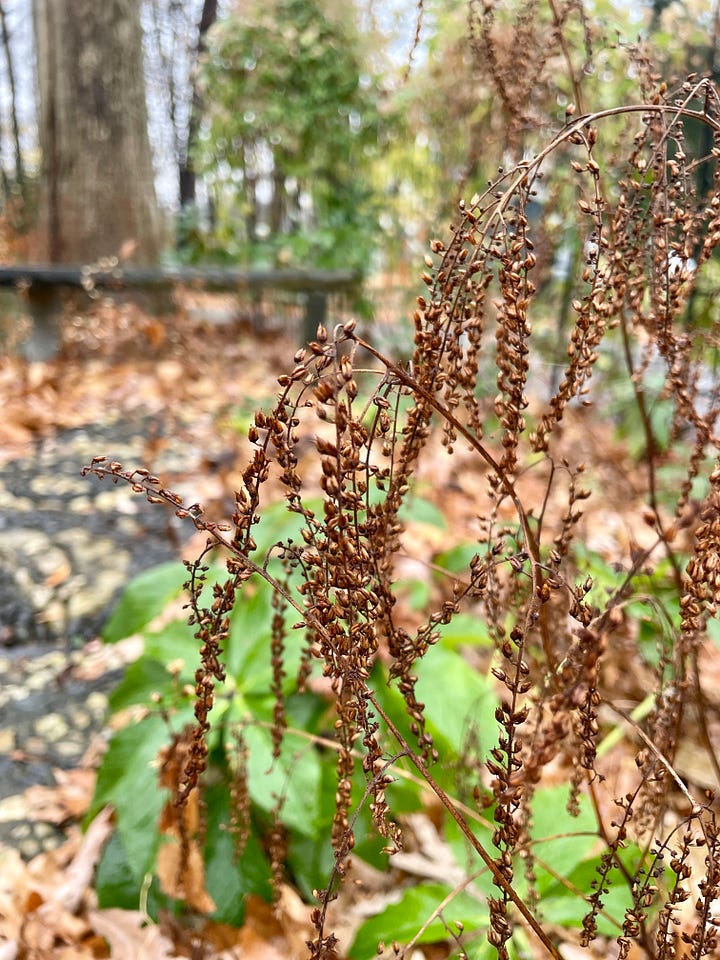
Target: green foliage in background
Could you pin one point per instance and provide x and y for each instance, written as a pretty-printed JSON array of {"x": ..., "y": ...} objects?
[{"x": 293, "y": 125}]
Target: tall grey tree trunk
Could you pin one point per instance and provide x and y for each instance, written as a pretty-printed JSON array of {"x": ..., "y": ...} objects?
[{"x": 98, "y": 193}]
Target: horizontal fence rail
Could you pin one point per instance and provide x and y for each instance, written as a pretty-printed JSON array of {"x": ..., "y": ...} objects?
[{"x": 43, "y": 286}]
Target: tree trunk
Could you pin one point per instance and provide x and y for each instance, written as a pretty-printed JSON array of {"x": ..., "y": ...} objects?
[
  {"x": 98, "y": 184},
  {"x": 186, "y": 169}
]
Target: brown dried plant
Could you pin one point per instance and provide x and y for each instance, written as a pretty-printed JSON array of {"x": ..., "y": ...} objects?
[{"x": 560, "y": 643}]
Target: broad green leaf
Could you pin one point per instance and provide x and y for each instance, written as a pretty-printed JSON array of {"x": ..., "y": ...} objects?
[
  {"x": 458, "y": 700},
  {"x": 417, "y": 509},
  {"x": 294, "y": 776},
  {"x": 604, "y": 576},
  {"x": 306, "y": 712},
  {"x": 565, "y": 907},
  {"x": 467, "y": 858},
  {"x": 248, "y": 648},
  {"x": 417, "y": 593},
  {"x": 175, "y": 642},
  {"x": 116, "y": 886},
  {"x": 458, "y": 558},
  {"x": 279, "y": 525},
  {"x": 560, "y": 841},
  {"x": 310, "y": 861},
  {"x": 465, "y": 630},
  {"x": 115, "y": 883},
  {"x": 402, "y": 921},
  {"x": 230, "y": 879},
  {"x": 247, "y": 653},
  {"x": 143, "y": 599},
  {"x": 476, "y": 946},
  {"x": 140, "y": 681},
  {"x": 127, "y": 780}
]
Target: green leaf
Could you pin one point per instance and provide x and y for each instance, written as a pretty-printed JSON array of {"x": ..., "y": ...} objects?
[
  {"x": 116, "y": 886},
  {"x": 310, "y": 861},
  {"x": 417, "y": 509},
  {"x": 294, "y": 776},
  {"x": 115, "y": 883},
  {"x": 566, "y": 908},
  {"x": 279, "y": 525},
  {"x": 465, "y": 630},
  {"x": 458, "y": 702},
  {"x": 417, "y": 593},
  {"x": 140, "y": 681},
  {"x": 457, "y": 698},
  {"x": 479, "y": 949},
  {"x": 143, "y": 599},
  {"x": 560, "y": 841},
  {"x": 305, "y": 711},
  {"x": 466, "y": 856},
  {"x": 229, "y": 879},
  {"x": 458, "y": 558},
  {"x": 402, "y": 920},
  {"x": 476, "y": 947},
  {"x": 247, "y": 651},
  {"x": 248, "y": 648},
  {"x": 127, "y": 780},
  {"x": 176, "y": 641},
  {"x": 311, "y": 857}
]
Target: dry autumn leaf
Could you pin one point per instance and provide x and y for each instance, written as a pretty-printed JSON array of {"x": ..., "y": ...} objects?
[
  {"x": 69, "y": 800},
  {"x": 180, "y": 864},
  {"x": 41, "y": 902},
  {"x": 129, "y": 936}
]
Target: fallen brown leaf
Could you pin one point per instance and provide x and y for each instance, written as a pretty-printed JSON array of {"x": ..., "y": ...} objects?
[
  {"x": 252, "y": 946},
  {"x": 40, "y": 902},
  {"x": 49, "y": 925},
  {"x": 59, "y": 575},
  {"x": 130, "y": 937},
  {"x": 156, "y": 333},
  {"x": 183, "y": 877},
  {"x": 87, "y": 951},
  {"x": 79, "y": 874},
  {"x": 69, "y": 800},
  {"x": 263, "y": 935},
  {"x": 180, "y": 864},
  {"x": 13, "y": 892}
]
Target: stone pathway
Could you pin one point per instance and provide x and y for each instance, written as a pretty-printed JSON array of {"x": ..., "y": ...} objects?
[
  {"x": 47, "y": 720},
  {"x": 68, "y": 545}
]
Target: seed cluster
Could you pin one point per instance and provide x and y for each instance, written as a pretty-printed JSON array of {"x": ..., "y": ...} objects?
[{"x": 350, "y": 435}]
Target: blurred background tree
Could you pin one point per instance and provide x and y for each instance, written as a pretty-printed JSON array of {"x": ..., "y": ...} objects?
[
  {"x": 97, "y": 193},
  {"x": 293, "y": 124},
  {"x": 175, "y": 42},
  {"x": 303, "y": 131}
]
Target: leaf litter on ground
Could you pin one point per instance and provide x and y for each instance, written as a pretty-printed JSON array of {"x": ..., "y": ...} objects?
[{"x": 119, "y": 362}]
